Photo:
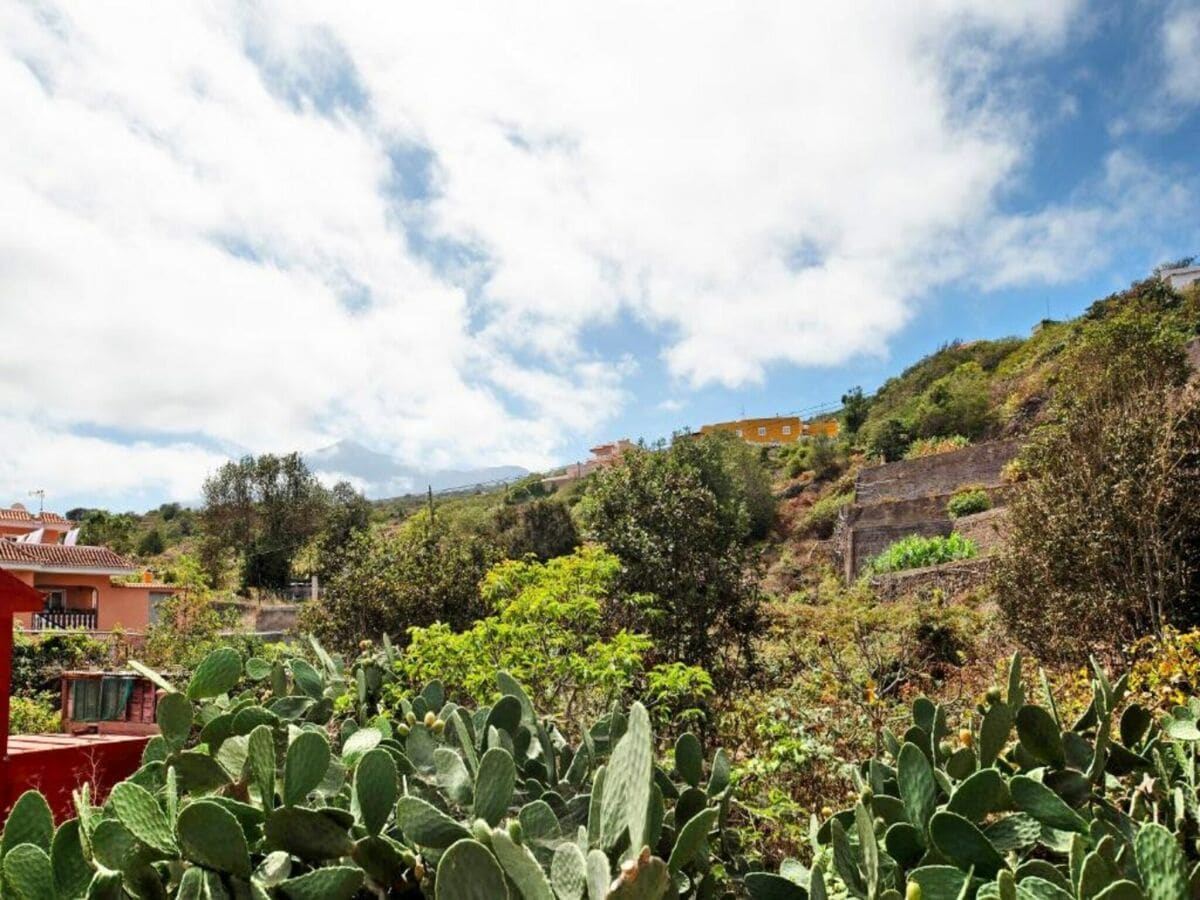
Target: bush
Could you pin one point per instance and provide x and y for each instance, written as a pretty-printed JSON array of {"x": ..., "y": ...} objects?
[
  {"x": 822, "y": 516},
  {"x": 934, "y": 445},
  {"x": 33, "y": 715},
  {"x": 39, "y": 661},
  {"x": 967, "y": 501},
  {"x": 890, "y": 440},
  {"x": 917, "y": 551},
  {"x": 1104, "y": 536}
]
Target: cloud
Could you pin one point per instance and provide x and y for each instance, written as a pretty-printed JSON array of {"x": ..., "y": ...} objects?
[
  {"x": 276, "y": 227},
  {"x": 1181, "y": 53}
]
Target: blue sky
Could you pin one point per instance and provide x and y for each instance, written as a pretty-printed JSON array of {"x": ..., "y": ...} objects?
[{"x": 485, "y": 235}]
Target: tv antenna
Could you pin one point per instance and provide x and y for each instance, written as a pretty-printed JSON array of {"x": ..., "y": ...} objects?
[{"x": 41, "y": 495}]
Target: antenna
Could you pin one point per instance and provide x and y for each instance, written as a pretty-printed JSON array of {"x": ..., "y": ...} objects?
[{"x": 41, "y": 495}]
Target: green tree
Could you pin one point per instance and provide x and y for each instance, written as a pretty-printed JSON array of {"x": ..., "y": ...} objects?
[
  {"x": 543, "y": 528},
  {"x": 263, "y": 509},
  {"x": 151, "y": 543},
  {"x": 890, "y": 440},
  {"x": 1104, "y": 537},
  {"x": 348, "y": 512},
  {"x": 957, "y": 403},
  {"x": 678, "y": 520},
  {"x": 388, "y": 583},
  {"x": 855, "y": 408},
  {"x": 114, "y": 530}
]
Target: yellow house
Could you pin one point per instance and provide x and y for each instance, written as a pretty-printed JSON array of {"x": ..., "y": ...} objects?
[{"x": 775, "y": 429}]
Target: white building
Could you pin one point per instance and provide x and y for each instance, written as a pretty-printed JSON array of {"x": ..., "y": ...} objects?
[{"x": 1178, "y": 279}]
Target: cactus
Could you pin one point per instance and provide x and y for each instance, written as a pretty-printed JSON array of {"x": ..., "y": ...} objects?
[
  {"x": 468, "y": 871},
  {"x": 210, "y": 835},
  {"x": 218, "y": 673},
  {"x": 29, "y": 822},
  {"x": 27, "y": 873},
  {"x": 375, "y": 788},
  {"x": 305, "y": 765},
  {"x": 140, "y": 813},
  {"x": 494, "y": 785}
]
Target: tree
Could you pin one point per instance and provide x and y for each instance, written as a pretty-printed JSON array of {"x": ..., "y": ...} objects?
[
  {"x": 855, "y": 408},
  {"x": 387, "y": 583},
  {"x": 263, "y": 509},
  {"x": 104, "y": 529},
  {"x": 151, "y": 543},
  {"x": 957, "y": 403},
  {"x": 890, "y": 440},
  {"x": 542, "y": 528},
  {"x": 678, "y": 521},
  {"x": 348, "y": 512},
  {"x": 1104, "y": 542}
]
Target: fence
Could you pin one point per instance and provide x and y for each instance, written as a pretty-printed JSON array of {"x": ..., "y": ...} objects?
[{"x": 54, "y": 619}]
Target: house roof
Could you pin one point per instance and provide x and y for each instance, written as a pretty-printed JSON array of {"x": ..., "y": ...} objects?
[
  {"x": 51, "y": 518},
  {"x": 59, "y": 557},
  {"x": 14, "y": 514},
  {"x": 149, "y": 585}
]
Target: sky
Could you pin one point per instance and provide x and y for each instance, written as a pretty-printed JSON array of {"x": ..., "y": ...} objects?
[{"x": 497, "y": 233}]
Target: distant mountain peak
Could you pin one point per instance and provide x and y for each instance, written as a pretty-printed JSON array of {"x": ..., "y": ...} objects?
[{"x": 380, "y": 476}]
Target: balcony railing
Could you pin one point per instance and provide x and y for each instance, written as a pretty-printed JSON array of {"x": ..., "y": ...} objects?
[{"x": 50, "y": 619}]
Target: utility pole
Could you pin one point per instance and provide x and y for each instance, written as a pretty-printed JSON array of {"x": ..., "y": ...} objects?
[{"x": 41, "y": 495}]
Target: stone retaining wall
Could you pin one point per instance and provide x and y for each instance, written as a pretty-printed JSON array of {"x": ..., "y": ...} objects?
[
  {"x": 950, "y": 578},
  {"x": 987, "y": 529},
  {"x": 931, "y": 476}
]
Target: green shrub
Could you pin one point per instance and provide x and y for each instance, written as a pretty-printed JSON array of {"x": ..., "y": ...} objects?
[
  {"x": 822, "y": 516},
  {"x": 917, "y": 551},
  {"x": 33, "y": 715},
  {"x": 931, "y": 446},
  {"x": 254, "y": 790},
  {"x": 968, "y": 501}
]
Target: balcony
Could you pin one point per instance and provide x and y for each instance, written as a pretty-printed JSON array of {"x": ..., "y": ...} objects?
[{"x": 58, "y": 619}]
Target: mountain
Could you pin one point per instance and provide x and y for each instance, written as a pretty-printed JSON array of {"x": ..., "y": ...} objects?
[{"x": 380, "y": 476}]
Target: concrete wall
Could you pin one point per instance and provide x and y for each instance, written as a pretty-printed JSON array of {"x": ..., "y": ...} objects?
[
  {"x": 942, "y": 473},
  {"x": 873, "y": 540}
]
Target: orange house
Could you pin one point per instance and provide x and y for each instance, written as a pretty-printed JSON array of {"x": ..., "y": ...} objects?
[
  {"x": 77, "y": 582},
  {"x": 775, "y": 429}
]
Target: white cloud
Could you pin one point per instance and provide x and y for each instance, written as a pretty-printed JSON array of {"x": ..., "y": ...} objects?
[
  {"x": 1181, "y": 52},
  {"x": 202, "y": 234}
]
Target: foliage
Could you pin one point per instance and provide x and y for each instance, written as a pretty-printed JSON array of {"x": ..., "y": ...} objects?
[
  {"x": 1166, "y": 669},
  {"x": 541, "y": 528},
  {"x": 822, "y": 516},
  {"x": 348, "y": 512},
  {"x": 967, "y": 501},
  {"x": 890, "y": 440},
  {"x": 39, "y": 660},
  {"x": 254, "y": 790},
  {"x": 189, "y": 626},
  {"x": 102, "y": 528},
  {"x": 33, "y": 715},
  {"x": 548, "y": 626},
  {"x": 956, "y": 404},
  {"x": 917, "y": 551},
  {"x": 264, "y": 509},
  {"x": 151, "y": 543},
  {"x": 934, "y": 445},
  {"x": 1059, "y": 812},
  {"x": 679, "y": 521},
  {"x": 1104, "y": 537},
  {"x": 855, "y": 408},
  {"x": 387, "y": 583}
]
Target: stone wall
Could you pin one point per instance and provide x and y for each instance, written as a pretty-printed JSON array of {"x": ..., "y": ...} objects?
[
  {"x": 987, "y": 529},
  {"x": 930, "y": 476},
  {"x": 950, "y": 578},
  {"x": 873, "y": 540}
]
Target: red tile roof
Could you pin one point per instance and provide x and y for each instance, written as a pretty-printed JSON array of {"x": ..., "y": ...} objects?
[
  {"x": 60, "y": 556},
  {"x": 15, "y": 514},
  {"x": 49, "y": 518}
]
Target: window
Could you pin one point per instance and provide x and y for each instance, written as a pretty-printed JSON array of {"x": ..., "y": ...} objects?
[
  {"x": 56, "y": 599},
  {"x": 787, "y": 429},
  {"x": 762, "y": 430}
]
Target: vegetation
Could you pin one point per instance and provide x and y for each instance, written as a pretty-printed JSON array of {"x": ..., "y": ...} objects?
[
  {"x": 917, "y": 551},
  {"x": 1105, "y": 536},
  {"x": 679, "y": 520},
  {"x": 968, "y": 501},
  {"x": 822, "y": 516},
  {"x": 33, "y": 715},
  {"x": 255, "y": 788},
  {"x": 933, "y": 445},
  {"x": 386, "y": 583}
]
